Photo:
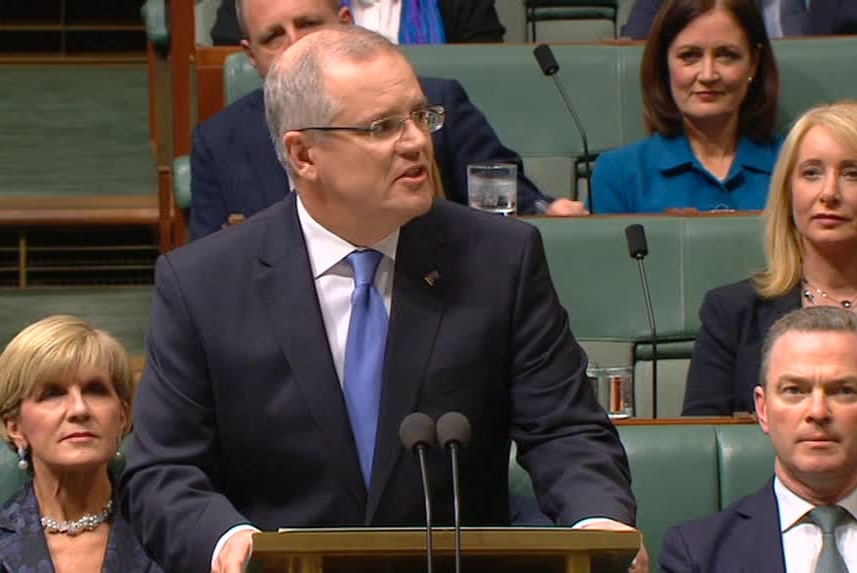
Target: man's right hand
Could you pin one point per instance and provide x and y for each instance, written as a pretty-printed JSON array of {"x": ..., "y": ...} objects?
[{"x": 235, "y": 553}]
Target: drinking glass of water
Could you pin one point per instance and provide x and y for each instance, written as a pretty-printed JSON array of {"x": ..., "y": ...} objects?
[{"x": 493, "y": 187}]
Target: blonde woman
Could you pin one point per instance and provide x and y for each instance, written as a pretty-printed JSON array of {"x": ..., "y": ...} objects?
[
  {"x": 65, "y": 399},
  {"x": 811, "y": 250}
]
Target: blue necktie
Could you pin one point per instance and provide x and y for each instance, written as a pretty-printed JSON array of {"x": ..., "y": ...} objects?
[{"x": 364, "y": 356}]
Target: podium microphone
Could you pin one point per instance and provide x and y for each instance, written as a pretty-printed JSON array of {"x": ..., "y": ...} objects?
[
  {"x": 638, "y": 249},
  {"x": 453, "y": 433},
  {"x": 549, "y": 66},
  {"x": 417, "y": 433}
]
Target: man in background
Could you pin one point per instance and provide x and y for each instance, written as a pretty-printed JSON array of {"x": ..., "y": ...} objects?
[
  {"x": 236, "y": 172},
  {"x": 802, "y": 520}
]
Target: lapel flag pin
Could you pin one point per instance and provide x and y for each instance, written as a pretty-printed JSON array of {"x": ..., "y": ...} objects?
[{"x": 432, "y": 278}]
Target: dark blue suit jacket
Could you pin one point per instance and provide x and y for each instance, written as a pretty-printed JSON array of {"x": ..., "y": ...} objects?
[
  {"x": 23, "y": 548},
  {"x": 727, "y": 354},
  {"x": 235, "y": 168},
  {"x": 743, "y": 538},
  {"x": 240, "y": 416},
  {"x": 826, "y": 17}
]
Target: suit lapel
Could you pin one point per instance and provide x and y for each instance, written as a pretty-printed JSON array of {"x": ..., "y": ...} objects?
[
  {"x": 283, "y": 281},
  {"x": 415, "y": 316},
  {"x": 762, "y": 545},
  {"x": 270, "y": 176}
]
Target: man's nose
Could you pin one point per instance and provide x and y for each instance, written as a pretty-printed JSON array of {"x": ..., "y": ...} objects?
[{"x": 818, "y": 406}]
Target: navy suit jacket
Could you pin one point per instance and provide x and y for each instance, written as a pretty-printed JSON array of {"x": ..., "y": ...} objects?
[
  {"x": 24, "y": 549},
  {"x": 235, "y": 168},
  {"x": 239, "y": 415},
  {"x": 743, "y": 538},
  {"x": 826, "y": 17},
  {"x": 727, "y": 354}
]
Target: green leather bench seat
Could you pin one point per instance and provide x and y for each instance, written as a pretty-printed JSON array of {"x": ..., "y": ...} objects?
[
  {"x": 123, "y": 311},
  {"x": 589, "y": 263},
  {"x": 681, "y": 472},
  {"x": 599, "y": 285}
]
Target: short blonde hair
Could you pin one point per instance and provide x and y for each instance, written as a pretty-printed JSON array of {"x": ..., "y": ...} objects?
[
  {"x": 783, "y": 251},
  {"x": 51, "y": 348}
]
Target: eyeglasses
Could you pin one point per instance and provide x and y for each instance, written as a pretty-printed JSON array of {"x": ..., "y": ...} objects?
[{"x": 429, "y": 119}]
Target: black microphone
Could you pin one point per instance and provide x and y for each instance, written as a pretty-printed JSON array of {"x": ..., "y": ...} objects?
[
  {"x": 453, "y": 433},
  {"x": 638, "y": 248},
  {"x": 549, "y": 66},
  {"x": 417, "y": 434}
]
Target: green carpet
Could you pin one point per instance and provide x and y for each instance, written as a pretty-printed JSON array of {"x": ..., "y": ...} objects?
[{"x": 75, "y": 130}]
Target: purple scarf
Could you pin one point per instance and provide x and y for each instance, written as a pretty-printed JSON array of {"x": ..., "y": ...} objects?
[{"x": 420, "y": 22}]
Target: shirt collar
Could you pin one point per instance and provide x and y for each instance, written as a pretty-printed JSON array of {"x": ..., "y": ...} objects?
[
  {"x": 793, "y": 507},
  {"x": 326, "y": 249},
  {"x": 675, "y": 153}
]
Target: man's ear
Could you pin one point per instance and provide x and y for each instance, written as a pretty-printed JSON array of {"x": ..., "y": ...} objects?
[
  {"x": 13, "y": 430},
  {"x": 298, "y": 150},
  {"x": 245, "y": 45},
  {"x": 761, "y": 408},
  {"x": 345, "y": 16}
]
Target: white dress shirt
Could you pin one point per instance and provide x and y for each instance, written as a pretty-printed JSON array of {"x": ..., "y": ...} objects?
[
  {"x": 334, "y": 279},
  {"x": 802, "y": 541},
  {"x": 382, "y": 16}
]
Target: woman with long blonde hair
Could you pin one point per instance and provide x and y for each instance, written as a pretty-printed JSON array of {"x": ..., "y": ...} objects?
[{"x": 810, "y": 233}]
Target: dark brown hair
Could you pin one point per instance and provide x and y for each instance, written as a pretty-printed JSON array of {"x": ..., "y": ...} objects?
[{"x": 759, "y": 108}]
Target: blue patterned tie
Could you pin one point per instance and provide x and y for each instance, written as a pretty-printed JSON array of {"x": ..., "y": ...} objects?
[
  {"x": 364, "y": 356},
  {"x": 828, "y": 518}
]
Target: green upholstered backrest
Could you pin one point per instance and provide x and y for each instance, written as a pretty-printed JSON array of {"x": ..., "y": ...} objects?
[
  {"x": 122, "y": 311},
  {"x": 681, "y": 472},
  {"x": 11, "y": 477},
  {"x": 746, "y": 460},
  {"x": 674, "y": 476},
  {"x": 814, "y": 71},
  {"x": 599, "y": 283},
  {"x": 239, "y": 77},
  {"x": 181, "y": 181},
  {"x": 154, "y": 15},
  {"x": 524, "y": 107}
]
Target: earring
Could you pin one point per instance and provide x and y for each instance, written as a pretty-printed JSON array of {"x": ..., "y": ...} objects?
[
  {"x": 750, "y": 79},
  {"x": 118, "y": 455},
  {"x": 23, "y": 464}
]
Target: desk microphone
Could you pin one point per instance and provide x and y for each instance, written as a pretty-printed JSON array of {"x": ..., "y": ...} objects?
[
  {"x": 638, "y": 248},
  {"x": 453, "y": 433},
  {"x": 417, "y": 433},
  {"x": 549, "y": 66}
]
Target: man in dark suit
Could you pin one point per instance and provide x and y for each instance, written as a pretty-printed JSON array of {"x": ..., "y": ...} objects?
[
  {"x": 823, "y": 18},
  {"x": 464, "y": 21},
  {"x": 803, "y": 520},
  {"x": 246, "y": 415},
  {"x": 235, "y": 171}
]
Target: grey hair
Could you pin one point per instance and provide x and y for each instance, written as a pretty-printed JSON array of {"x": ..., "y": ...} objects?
[
  {"x": 811, "y": 319},
  {"x": 295, "y": 94}
]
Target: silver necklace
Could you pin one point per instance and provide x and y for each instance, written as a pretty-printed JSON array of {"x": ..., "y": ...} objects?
[
  {"x": 808, "y": 295},
  {"x": 87, "y": 522}
]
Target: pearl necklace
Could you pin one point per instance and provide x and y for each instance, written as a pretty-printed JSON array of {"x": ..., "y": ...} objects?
[
  {"x": 807, "y": 294},
  {"x": 73, "y": 527}
]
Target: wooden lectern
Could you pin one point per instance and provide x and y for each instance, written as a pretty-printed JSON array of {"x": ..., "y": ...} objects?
[{"x": 500, "y": 549}]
